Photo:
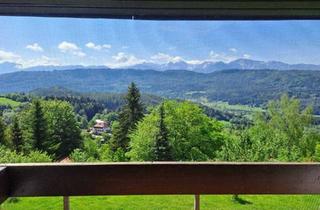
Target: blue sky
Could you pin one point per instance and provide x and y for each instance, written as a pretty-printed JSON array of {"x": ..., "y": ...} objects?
[{"x": 66, "y": 41}]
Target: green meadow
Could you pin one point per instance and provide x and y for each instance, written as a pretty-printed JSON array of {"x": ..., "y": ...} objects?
[
  {"x": 8, "y": 102},
  {"x": 166, "y": 202}
]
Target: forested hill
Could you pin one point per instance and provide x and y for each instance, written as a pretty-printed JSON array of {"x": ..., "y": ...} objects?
[{"x": 253, "y": 87}]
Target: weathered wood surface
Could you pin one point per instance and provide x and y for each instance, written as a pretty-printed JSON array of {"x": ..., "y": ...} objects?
[
  {"x": 66, "y": 203},
  {"x": 163, "y": 178},
  {"x": 165, "y": 9},
  {"x": 196, "y": 202},
  {"x": 4, "y": 184}
]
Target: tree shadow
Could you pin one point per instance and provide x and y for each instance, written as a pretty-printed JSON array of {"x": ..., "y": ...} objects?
[
  {"x": 13, "y": 200},
  {"x": 237, "y": 199}
]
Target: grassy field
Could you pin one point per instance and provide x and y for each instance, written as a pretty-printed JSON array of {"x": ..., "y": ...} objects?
[
  {"x": 208, "y": 202},
  {"x": 8, "y": 102},
  {"x": 224, "y": 106}
]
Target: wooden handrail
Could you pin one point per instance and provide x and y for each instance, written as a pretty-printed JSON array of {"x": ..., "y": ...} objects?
[
  {"x": 166, "y": 9},
  {"x": 158, "y": 178}
]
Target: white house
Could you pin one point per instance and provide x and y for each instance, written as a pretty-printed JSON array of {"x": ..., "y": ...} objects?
[{"x": 100, "y": 127}]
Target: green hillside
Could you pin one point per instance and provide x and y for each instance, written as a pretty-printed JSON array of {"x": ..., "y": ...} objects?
[
  {"x": 8, "y": 102},
  {"x": 248, "y": 87}
]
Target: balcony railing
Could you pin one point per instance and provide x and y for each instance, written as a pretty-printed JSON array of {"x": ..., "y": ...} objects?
[{"x": 18, "y": 180}]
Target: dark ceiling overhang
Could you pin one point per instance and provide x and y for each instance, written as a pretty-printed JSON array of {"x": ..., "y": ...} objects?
[{"x": 166, "y": 9}]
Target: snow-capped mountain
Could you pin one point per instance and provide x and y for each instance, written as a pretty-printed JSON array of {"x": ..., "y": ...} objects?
[
  {"x": 204, "y": 67},
  {"x": 208, "y": 66}
]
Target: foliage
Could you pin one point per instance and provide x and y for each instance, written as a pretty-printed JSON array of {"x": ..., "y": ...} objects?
[
  {"x": 38, "y": 126},
  {"x": 162, "y": 148},
  {"x": 88, "y": 104},
  {"x": 63, "y": 129},
  {"x": 283, "y": 133},
  {"x": 16, "y": 136},
  {"x": 105, "y": 116},
  {"x": 317, "y": 153},
  {"x": 192, "y": 134},
  {"x": 8, "y": 156},
  {"x": 92, "y": 151},
  {"x": 129, "y": 116},
  {"x": 2, "y": 131}
]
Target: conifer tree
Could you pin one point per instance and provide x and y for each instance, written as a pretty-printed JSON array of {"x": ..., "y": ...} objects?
[
  {"x": 39, "y": 126},
  {"x": 130, "y": 114},
  {"x": 16, "y": 136},
  {"x": 162, "y": 150},
  {"x": 2, "y": 131}
]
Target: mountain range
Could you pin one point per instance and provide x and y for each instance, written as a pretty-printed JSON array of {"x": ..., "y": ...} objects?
[
  {"x": 204, "y": 67},
  {"x": 209, "y": 66},
  {"x": 10, "y": 67}
]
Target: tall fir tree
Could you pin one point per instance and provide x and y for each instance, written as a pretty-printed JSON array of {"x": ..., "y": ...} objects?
[
  {"x": 130, "y": 114},
  {"x": 162, "y": 149},
  {"x": 16, "y": 136},
  {"x": 39, "y": 126},
  {"x": 2, "y": 131}
]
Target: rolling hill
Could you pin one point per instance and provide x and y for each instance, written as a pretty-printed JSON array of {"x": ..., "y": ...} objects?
[{"x": 250, "y": 87}]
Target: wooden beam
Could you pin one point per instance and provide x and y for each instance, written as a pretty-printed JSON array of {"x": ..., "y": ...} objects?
[
  {"x": 4, "y": 184},
  {"x": 196, "y": 202},
  {"x": 66, "y": 203},
  {"x": 166, "y": 9},
  {"x": 163, "y": 178}
]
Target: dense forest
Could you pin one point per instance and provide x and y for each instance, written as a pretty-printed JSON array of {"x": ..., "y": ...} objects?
[
  {"x": 249, "y": 87},
  {"x": 50, "y": 125}
]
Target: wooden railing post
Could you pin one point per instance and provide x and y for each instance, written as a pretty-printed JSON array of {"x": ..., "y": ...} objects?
[
  {"x": 196, "y": 202},
  {"x": 66, "y": 203}
]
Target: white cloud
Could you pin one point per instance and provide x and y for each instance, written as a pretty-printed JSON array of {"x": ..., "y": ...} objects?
[
  {"x": 35, "y": 47},
  {"x": 6, "y": 56},
  {"x": 40, "y": 61},
  {"x": 165, "y": 58},
  {"x": 246, "y": 56},
  {"x": 26, "y": 62},
  {"x": 234, "y": 50},
  {"x": 124, "y": 59},
  {"x": 69, "y": 47},
  {"x": 94, "y": 46},
  {"x": 215, "y": 57}
]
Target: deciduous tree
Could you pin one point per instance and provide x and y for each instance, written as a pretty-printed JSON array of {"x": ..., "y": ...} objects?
[{"x": 192, "y": 135}]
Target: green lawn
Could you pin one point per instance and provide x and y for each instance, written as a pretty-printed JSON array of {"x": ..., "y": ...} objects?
[
  {"x": 208, "y": 202},
  {"x": 8, "y": 102}
]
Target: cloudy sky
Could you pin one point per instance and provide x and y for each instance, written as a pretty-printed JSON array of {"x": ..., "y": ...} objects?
[{"x": 62, "y": 41}]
